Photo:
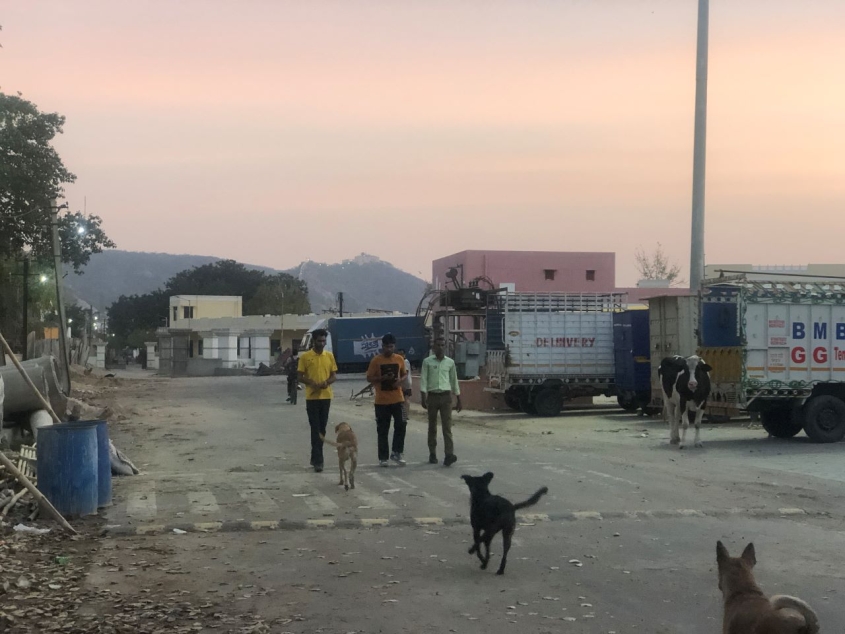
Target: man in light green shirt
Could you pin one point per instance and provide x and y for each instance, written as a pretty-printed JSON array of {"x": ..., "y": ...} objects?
[{"x": 438, "y": 382}]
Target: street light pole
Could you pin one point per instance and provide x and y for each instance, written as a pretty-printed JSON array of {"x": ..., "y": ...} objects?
[
  {"x": 700, "y": 149},
  {"x": 57, "y": 265}
]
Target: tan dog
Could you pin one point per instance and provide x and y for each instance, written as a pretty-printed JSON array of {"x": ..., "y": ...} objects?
[
  {"x": 747, "y": 610},
  {"x": 347, "y": 449}
]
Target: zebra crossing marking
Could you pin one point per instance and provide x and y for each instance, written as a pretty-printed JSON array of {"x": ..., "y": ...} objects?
[
  {"x": 117, "y": 530},
  {"x": 259, "y": 501},
  {"x": 202, "y": 502},
  {"x": 141, "y": 502}
]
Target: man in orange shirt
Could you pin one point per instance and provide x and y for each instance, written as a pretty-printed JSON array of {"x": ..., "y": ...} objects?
[{"x": 386, "y": 372}]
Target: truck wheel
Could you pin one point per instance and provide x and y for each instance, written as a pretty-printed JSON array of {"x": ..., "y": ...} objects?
[
  {"x": 548, "y": 403},
  {"x": 512, "y": 401},
  {"x": 628, "y": 401},
  {"x": 824, "y": 419},
  {"x": 782, "y": 423}
]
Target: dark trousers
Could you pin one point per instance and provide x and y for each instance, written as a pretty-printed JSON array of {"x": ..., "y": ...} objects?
[
  {"x": 440, "y": 403},
  {"x": 318, "y": 418},
  {"x": 383, "y": 415}
]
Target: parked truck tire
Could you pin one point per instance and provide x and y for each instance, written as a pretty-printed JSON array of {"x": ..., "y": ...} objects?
[
  {"x": 628, "y": 401},
  {"x": 783, "y": 422},
  {"x": 512, "y": 401},
  {"x": 548, "y": 402},
  {"x": 824, "y": 418}
]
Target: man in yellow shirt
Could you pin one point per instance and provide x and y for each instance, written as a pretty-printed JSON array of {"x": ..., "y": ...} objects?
[
  {"x": 317, "y": 371},
  {"x": 386, "y": 372},
  {"x": 438, "y": 383}
]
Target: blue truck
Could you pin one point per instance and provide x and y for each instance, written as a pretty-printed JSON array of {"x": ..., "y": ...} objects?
[
  {"x": 632, "y": 359},
  {"x": 354, "y": 341}
]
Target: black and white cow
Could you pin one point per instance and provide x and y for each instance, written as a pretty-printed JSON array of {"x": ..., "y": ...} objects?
[{"x": 686, "y": 388}]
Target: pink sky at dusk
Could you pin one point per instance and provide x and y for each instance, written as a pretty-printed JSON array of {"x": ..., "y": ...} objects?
[{"x": 273, "y": 132}]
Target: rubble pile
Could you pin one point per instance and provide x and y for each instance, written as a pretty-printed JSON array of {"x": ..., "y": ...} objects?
[
  {"x": 43, "y": 589},
  {"x": 16, "y": 504}
]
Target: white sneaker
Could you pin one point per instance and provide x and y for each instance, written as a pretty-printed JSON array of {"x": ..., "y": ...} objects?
[
  {"x": 398, "y": 458},
  {"x": 383, "y": 463}
]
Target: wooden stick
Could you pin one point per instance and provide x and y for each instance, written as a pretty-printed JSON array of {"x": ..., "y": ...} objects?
[
  {"x": 43, "y": 501},
  {"x": 12, "y": 502},
  {"x": 26, "y": 378}
]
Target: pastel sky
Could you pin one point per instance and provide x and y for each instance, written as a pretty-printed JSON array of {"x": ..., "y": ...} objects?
[{"x": 277, "y": 131}]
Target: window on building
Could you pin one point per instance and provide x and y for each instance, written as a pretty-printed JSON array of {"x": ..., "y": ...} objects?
[
  {"x": 199, "y": 348},
  {"x": 239, "y": 346},
  {"x": 191, "y": 348},
  {"x": 188, "y": 312},
  {"x": 175, "y": 313},
  {"x": 550, "y": 273},
  {"x": 591, "y": 275}
]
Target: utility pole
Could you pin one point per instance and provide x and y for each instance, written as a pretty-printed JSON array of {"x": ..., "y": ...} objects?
[
  {"x": 340, "y": 303},
  {"x": 25, "y": 329},
  {"x": 57, "y": 265},
  {"x": 696, "y": 274}
]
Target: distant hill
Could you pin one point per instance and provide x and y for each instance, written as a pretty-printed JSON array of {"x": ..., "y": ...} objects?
[{"x": 366, "y": 281}]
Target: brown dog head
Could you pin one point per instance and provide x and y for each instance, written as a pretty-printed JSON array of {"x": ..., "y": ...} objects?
[
  {"x": 341, "y": 427},
  {"x": 735, "y": 571}
]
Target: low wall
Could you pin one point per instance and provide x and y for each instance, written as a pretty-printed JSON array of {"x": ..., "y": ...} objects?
[
  {"x": 203, "y": 367},
  {"x": 473, "y": 396}
]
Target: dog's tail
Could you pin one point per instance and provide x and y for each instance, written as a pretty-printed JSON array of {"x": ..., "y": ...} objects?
[
  {"x": 336, "y": 444},
  {"x": 782, "y": 601},
  {"x": 532, "y": 500}
]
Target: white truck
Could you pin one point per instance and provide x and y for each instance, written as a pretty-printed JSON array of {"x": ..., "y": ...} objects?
[
  {"x": 545, "y": 348},
  {"x": 778, "y": 348}
]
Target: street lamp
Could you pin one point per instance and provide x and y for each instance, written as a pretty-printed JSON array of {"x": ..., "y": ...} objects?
[{"x": 43, "y": 278}]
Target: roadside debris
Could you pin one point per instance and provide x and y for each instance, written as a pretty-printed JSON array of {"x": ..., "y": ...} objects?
[{"x": 120, "y": 463}]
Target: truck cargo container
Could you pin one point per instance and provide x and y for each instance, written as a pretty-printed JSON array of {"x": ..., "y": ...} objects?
[
  {"x": 354, "y": 341},
  {"x": 673, "y": 329},
  {"x": 778, "y": 348},
  {"x": 555, "y": 346}
]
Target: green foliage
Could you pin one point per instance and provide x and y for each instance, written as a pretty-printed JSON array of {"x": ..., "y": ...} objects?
[
  {"x": 137, "y": 313},
  {"x": 31, "y": 175}
]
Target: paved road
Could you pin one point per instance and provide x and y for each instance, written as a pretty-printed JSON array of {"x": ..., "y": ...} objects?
[{"x": 229, "y": 455}]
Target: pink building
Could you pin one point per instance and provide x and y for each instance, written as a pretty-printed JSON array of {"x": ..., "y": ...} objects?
[{"x": 530, "y": 271}]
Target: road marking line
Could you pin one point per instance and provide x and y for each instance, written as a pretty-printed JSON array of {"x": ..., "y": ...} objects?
[
  {"x": 374, "y": 521},
  {"x": 208, "y": 527},
  {"x": 264, "y": 525},
  {"x": 586, "y": 515},
  {"x": 142, "y": 503},
  {"x": 202, "y": 502},
  {"x": 320, "y": 503},
  {"x": 368, "y": 498},
  {"x": 259, "y": 501},
  {"x": 320, "y": 523},
  {"x": 792, "y": 511},
  {"x": 612, "y": 477},
  {"x": 534, "y": 517},
  {"x": 690, "y": 513},
  {"x": 429, "y": 521}
]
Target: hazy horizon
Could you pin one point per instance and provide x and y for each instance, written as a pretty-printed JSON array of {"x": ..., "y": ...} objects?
[{"x": 273, "y": 133}]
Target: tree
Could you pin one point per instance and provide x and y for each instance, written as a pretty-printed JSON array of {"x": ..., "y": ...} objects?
[
  {"x": 279, "y": 294},
  {"x": 657, "y": 266},
  {"x": 31, "y": 176}
]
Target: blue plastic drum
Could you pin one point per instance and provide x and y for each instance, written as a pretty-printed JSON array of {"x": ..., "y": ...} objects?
[
  {"x": 103, "y": 459},
  {"x": 67, "y": 468}
]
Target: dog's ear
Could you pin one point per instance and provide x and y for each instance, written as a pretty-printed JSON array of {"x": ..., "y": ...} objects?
[
  {"x": 337, "y": 427},
  {"x": 722, "y": 554},
  {"x": 466, "y": 478},
  {"x": 487, "y": 477},
  {"x": 748, "y": 556}
]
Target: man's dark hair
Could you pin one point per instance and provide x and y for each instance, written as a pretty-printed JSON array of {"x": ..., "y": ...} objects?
[
  {"x": 320, "y": 332},
  {"x": 388, "y": 339}
]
